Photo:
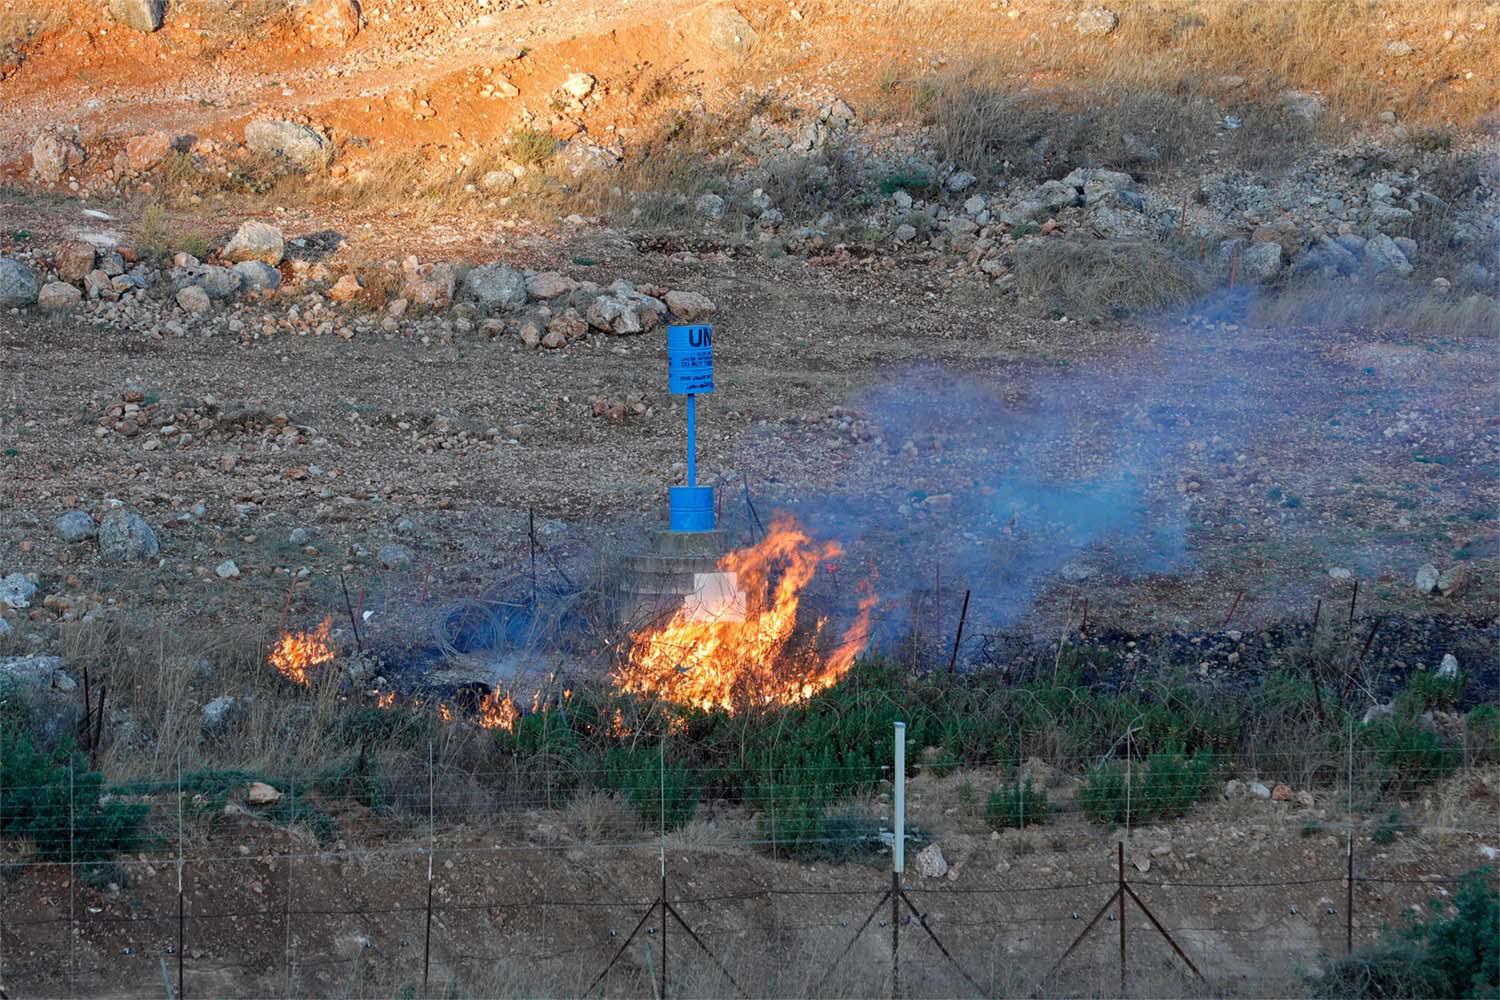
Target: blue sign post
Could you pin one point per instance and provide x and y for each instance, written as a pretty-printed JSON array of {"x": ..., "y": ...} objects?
[{"x": 690, "y": 370}]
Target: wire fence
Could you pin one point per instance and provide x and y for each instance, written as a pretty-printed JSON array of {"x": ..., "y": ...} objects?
[{"x": 231, "y": 899}]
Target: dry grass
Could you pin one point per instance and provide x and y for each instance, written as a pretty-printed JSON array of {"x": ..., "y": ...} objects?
[
  {"x": 158, "y": 235},
  {"x": 1184, "y": 48},
  {"x": 1096, "y": 279},
  {"x": 597, "y": 817},
  {"x": 1382, "y": 307}
]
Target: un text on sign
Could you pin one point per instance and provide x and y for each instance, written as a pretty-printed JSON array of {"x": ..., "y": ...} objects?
[{"x": 690, "y": 359}]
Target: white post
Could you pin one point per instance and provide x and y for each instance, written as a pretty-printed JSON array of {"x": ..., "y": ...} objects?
[{"x": 898, "y": 847}]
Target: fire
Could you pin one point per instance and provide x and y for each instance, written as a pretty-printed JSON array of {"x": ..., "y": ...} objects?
[
  {"x": 298, "y": 652},
  {"x": 696, "y": 661},
  {"x": 385, "y": 699},
  {"x": 497, "y": 710}
]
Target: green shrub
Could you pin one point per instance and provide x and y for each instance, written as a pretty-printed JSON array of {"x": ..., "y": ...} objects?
[
  {"x": 1017, "y": 805},
  {"x": 664, "y": 796},
  {"x": 910, "y": 181},
  {"x": 1482, "y": 734},
  {"x": 1409, "y": 754},
  {"x": 1449, "y": 955},
  {"x": 63, "y": 819},
  {"x": 1428, "y": 692},
  {"x": 1167, "y": 784},
  {"x": 1386, "y": 832}
]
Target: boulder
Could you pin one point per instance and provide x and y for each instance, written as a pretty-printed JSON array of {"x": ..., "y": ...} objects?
[
  {"x": 624, "y": 311},
  {"x": 1427, "y": 579},
  {"x": 930, "y": 862},
  {"x": 256, "y": 241},
  {"x": 142, "y": 15},
  {"x": 394, "y": 556},
  {"x": 216, "y": 282},
  {"x": 74, "y": 259},
  {"x": 1453, "y": 581},
  {"x": 579, "y": 85},
  {"x": 36, "y": 672},
  {"x": 960, "y": 181},
  {"x": 1382, "y": 255},
  {"x": 496, "y": 287},
  {"x": 124, "y": 536},
  {"x": 18, "y": 285},
  {"x": 1099, "y": 185},
  {"x": 257, "y": 276},
  {"x": 430, "y": 285},
  {"x": 193, "y": 300},
  {"x": 568, "y": 325},
  {"x": 299, "y": 145},
  {"x": 220, "y": 713},
  {"x": 710, "y": 206},
  {"x": 58, "y": 295},
  {"x": 16, "y": 591},
  {"x": 1261, "y": 261},
  {"x": 549, "y": 285},
  {"x": 53, "y": 155},
  {"x": 1258, "y": 790},
  {"x": 75, "y": 526},
  {"x": 690, "y": 307},
  {"x": 721, "y": 26},
  {"x": 1096, "y": 21},
  {"x": 97, "y": 285},
  {"x": 142, "y": 152},
  {"x": 327, "y": 23}
]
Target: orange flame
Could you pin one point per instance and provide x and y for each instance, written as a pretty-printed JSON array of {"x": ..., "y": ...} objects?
[
  {"x": 497, "y": 710},
  {"x": 298, "y": 652},
  {"x": 732, "y": 664},
  {"x": 385, "y": 699}
]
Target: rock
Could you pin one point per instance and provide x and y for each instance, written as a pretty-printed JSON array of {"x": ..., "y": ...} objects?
[
  {"x": 327, "y": 24},
  {"x": 1454, "y": 580},
  {"x": 53, "y": 155},
  {"x": 16, "y": 591},
  {"x": 256, "y": 241},
  {"x": 901, "y": 199},
  {"x": 18, "y": 285},
  {"x": 36, "y": 672},
  {"x": 567, "y": 324},
  {"x": 930, "y": 863},
  {"x": 579, "y": 85},
  {"x": 58, "y": 295},
  {"x": 1305, "y": 799},
  {"x": 142, "y": 152},
  {"x": 1096, "y": 21},
  {"x": 74, "y": 259},
  {"x": 690, "y": 307},
  {"x": 1407, "y": 246},
  {"x": 1427, "y": 579},
  {"x": 75, "y": 526},
  {"x": 1329, "y": 256},
  {"x": 124, "y": 536},
  {"x": 553, "y": 339},
  {"x": 496, "y": 287},
  {"x": 1398, "y": 48},
  {"x": 974, "y": 204},
  {"x": 299, "y": 536},
  {"x": 220, "y": 713},
  {"x": 1281, "y": 793},
  {"x": 1449, "y": 666},
  {"x": 96, "y": 284},
  {"x": 218, "y": 282},
  {"x": 1303, "y": 105},
  {"x": 710, "y": 205},
  {"x": 1259, "y": 790},
  {"x": 905, "y": 233},
  {"x": 393, "y": 556},
  {"x": 5, "y": 629},
  {"x": 721, "y": 26},
  {"x": 193, "y": 300},
  {"x": 428, "y": 285},
  {"x": 299, "y": 145},
  {"x": 261, "y": 794},
  {"x": 227, "y": 570},
  {"x": 1261, "y": 261},
  {"x": 549, "y": 285},
  {"x": 257, "y": 276},
  {"x": 345, "y": 289},
  {"x": 1382, "y": 255},
  {"x": 624, "y": 311},
  {"x": 497, "y": 180},
  {"x": 959, "y": 181},
  {"x": 1378, "y": 713},
  {"x": 142, "y": 15},
  {"x": 1234, "y": 788}
]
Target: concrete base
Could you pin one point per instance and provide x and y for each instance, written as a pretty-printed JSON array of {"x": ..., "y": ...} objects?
[{"x": 657, "y": 580}]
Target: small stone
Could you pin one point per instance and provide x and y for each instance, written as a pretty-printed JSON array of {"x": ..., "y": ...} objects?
[
  {"x": 142, "y": 15},
  {"x": 75, "y": 526},
  {"x": 393, "y": 556},
  {"x": 549, "y": 285},
  {"x": 1398, "y": 48},
  {"x": 1454, "y": 580},
  {"x": 1449, "y": 666},
  {"x": 299, "y": 536},
  {"x": 227, "y": 570},
  {"x": 1305, "y": 799},
  {"x": 16, "y": 591},
  {"x": 959, "y": 181},
  {"x": 905, "y": 233},
  {"x": 579, "y": 85},
  {"x": 261, "y": 794},
  {"x": 690, "y": 307},
  {"x": 74, "y": 260},
  {"x": 1234, "y": 788},
  {"x": 18, "y": 285},
  {"x": 345, "y": 289},
  {"x": 1258, "y": 789},
  {"x": 327, "y": 24},
  {"x": 930, "y": 862},
  {"x": 1427, "y": 579},
  {"x": 496, "y": 286},
  {"x": 710, "y": 205},
  {"x": 1096, "y": 21},
  {"x": 143, "y": 152},
  {"x": 257, "y": 276},
  {"x": 299, "y": 145},
  {"x": 1281, "y": 793}
]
